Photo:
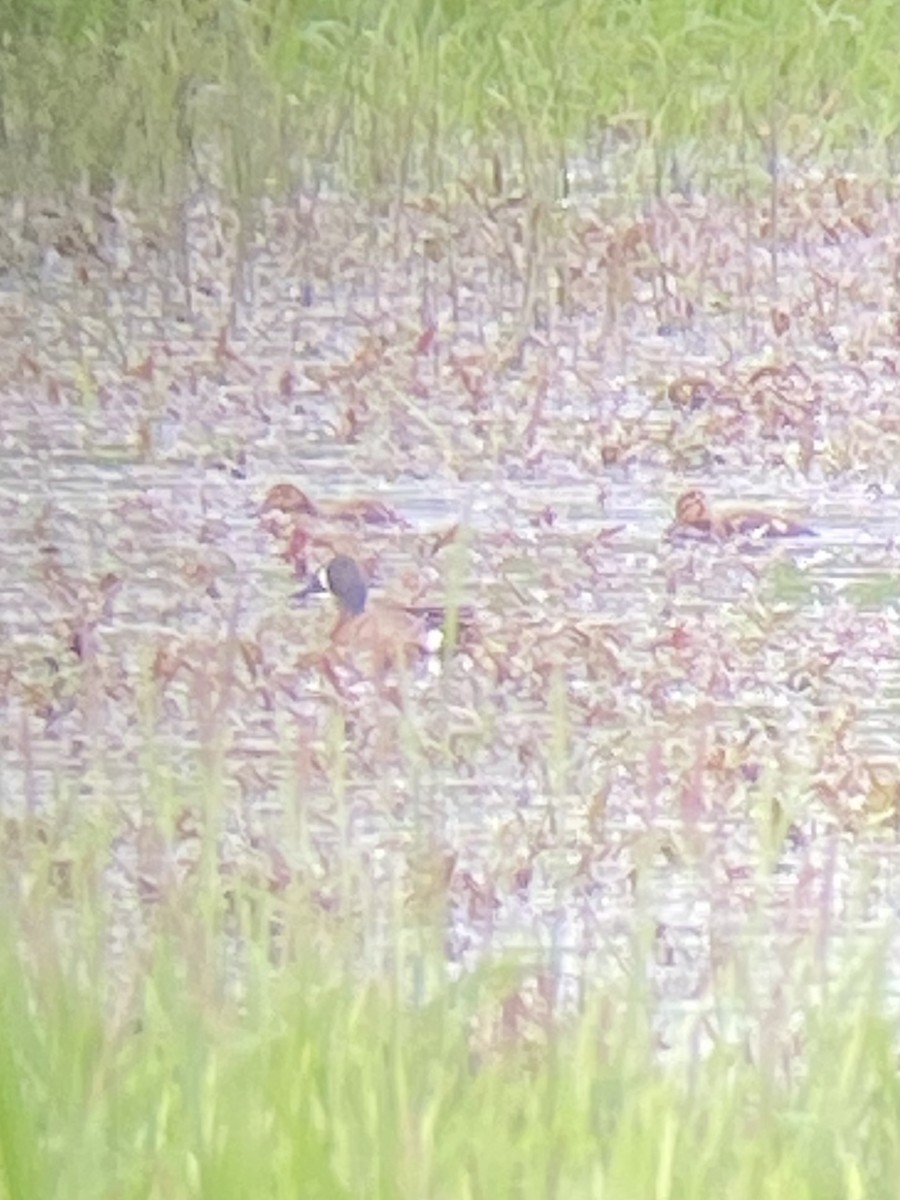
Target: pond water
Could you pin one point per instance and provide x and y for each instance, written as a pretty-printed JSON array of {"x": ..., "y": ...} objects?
[{"x": 697, "y": 735}]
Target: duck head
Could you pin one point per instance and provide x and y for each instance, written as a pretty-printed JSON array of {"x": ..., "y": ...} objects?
[{"x": 344, "y": 579}]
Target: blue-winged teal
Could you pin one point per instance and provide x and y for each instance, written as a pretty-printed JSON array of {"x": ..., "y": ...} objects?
[
  {"x": 695, "y": 518},
  {"x": 391, "y": 634}
]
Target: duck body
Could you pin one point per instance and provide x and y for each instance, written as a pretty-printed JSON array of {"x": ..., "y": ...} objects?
[
  {"x": 301, "y": 527},
  {"x": 694, "y": 518},
  {"x": 290, "y": 501},
  {"x": 387, "y": 633}
]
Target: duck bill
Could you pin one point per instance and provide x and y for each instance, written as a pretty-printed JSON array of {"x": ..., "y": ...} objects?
[{"x": 314, "y": 586}]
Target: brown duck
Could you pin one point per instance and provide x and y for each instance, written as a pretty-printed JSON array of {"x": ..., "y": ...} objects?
[{"x": 694, "y": 518}]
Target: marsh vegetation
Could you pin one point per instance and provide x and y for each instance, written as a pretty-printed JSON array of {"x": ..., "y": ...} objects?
[{"x": 473, "y": 293}]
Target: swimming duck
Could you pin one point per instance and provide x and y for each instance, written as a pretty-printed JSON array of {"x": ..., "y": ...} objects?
[
  {"x": 694, "y": 518},
  {"x": 388, "y": 633},
  {"x": 301, "y": 527},
  {"x": 290, "y": 501}
]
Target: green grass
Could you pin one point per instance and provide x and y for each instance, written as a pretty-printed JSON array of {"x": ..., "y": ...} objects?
[
  {"x": 400, "y": 93},
  {"x": 179, "y": 1070}
]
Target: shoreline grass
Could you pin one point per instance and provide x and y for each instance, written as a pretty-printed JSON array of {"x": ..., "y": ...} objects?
[
  {"x": 318, "y": 1082},
  {"x": 396, "y": 95}
]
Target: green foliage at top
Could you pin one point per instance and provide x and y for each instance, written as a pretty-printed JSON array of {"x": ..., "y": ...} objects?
[{"x": 414, "y": 91}]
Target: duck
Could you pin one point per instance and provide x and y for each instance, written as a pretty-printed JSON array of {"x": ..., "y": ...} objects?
[
  {"x": 388, "y": 634},
  {"x": 694, "y": 518},
  {"x": 301, "y": 527},
  {"x": 291, "y": 502}
]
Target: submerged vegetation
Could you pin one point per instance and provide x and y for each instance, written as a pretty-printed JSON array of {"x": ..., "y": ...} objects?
[{"x": 504, "y": 301}]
